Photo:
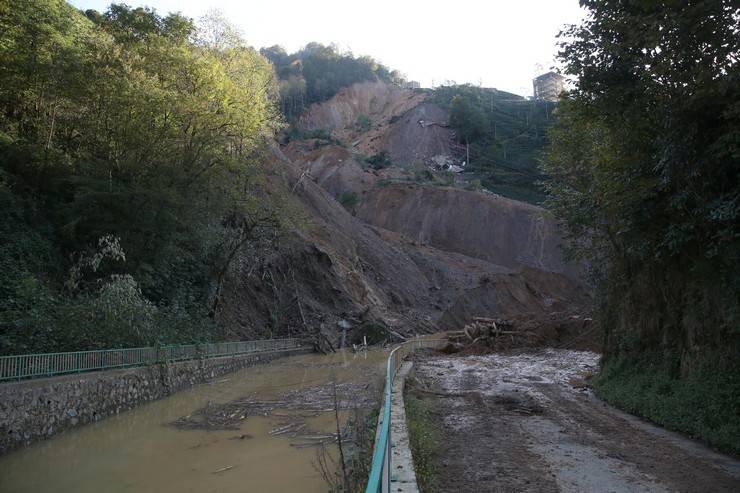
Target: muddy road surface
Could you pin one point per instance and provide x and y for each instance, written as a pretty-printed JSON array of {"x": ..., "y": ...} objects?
[{"x": 525, "y": 422}]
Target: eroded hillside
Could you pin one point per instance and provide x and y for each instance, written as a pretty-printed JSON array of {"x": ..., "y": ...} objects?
[{"x": 402, "y": 255}]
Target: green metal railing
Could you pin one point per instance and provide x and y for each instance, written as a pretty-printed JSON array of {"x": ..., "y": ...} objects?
[
  {"x": 49, "y": 364},
  {"x": 380, "y": 470}
]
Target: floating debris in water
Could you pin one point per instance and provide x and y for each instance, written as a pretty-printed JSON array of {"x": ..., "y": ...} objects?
[{"x": 295, "y": 407}]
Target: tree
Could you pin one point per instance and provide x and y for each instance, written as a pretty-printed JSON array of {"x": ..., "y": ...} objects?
[
  {"x": 468, "y": 119},
  {"x": 644, "y": 169},
  {"x": 132, "y": 125},
  {"x": 316, "y": 72}
]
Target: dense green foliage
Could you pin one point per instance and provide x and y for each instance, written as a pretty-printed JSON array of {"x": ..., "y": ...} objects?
[
  {"x": 644, "y": 170},
  {"x": 316, "y": 72},
  {"x": 703, "y": 404},
  {"x": 125, "y": 143},
  {"x": 504, "y": 135}
]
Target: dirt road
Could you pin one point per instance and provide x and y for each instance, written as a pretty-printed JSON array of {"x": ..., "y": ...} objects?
[{"x": 524, "y": 422}]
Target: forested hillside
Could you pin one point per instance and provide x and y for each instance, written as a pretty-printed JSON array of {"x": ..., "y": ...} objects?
[
  {"x": 127, "y": 155},
  {"x": 504, "y": 136},
  {"x": 644, "y": 170},
  {"x": 316, "y": 72}
]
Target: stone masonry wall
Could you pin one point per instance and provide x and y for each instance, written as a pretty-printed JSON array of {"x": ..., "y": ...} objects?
[{"x": 36, "y": 409}]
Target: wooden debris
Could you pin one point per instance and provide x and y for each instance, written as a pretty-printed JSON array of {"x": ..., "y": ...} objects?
[
  {"x": 307, "y": 402},
  {"x": 488, "y": 332}
]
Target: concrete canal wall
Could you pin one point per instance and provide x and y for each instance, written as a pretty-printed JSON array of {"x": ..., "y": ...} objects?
[{"x": 36, "y": 409}]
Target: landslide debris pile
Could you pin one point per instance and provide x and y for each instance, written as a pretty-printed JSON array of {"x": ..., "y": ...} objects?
[
  {"x": 560, "y": 330},
  {"x": 384, "y": 258}
]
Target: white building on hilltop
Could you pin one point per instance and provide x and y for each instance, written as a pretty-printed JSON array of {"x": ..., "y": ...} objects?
[{"x": 548, "y": 86}]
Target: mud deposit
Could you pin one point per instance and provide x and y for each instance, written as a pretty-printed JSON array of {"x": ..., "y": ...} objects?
[
  {"x": 526, "y": 422},
  {"x": 252, "y": 430}
]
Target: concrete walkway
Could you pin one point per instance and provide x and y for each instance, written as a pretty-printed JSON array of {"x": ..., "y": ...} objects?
[{"x": 403, "y": 477}]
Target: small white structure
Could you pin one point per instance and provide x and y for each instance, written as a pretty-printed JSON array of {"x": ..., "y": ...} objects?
[{"x": 547, "y": 87}]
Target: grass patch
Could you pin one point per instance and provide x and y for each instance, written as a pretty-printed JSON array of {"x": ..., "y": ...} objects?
[
  {"x": 704, "y": 404},
  {"x": 424, "y": 438}
]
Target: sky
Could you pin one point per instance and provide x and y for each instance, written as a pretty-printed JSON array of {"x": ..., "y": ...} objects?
[{"x": 493, "y": 43}]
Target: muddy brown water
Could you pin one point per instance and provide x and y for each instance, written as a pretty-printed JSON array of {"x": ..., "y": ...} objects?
[{"x": 138, "y": 451}]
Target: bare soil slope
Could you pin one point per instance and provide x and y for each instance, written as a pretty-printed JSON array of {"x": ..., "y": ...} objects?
[
  {"x": 481, "y": 225},
  {"x": 334, "y": 168},
  {"x": 399, "y": 257},
  {"x": 336, "y": 267},
  {"x": 484, "y": 226},
  {"x": 419, "y": 134},
  {"x": 402, "y": 122}
]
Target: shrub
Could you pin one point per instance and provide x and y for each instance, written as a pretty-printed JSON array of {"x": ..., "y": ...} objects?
[
  {"x": 379, "y": 161},
  {"x": 349, "y": 200},
  {"x": 422, "y": 174},
  {"x": 704, "y": 403},
  {"x": 363, "y": 123}
]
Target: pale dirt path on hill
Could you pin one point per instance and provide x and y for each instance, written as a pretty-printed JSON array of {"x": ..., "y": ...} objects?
[{"x": 522, "y": 422}]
